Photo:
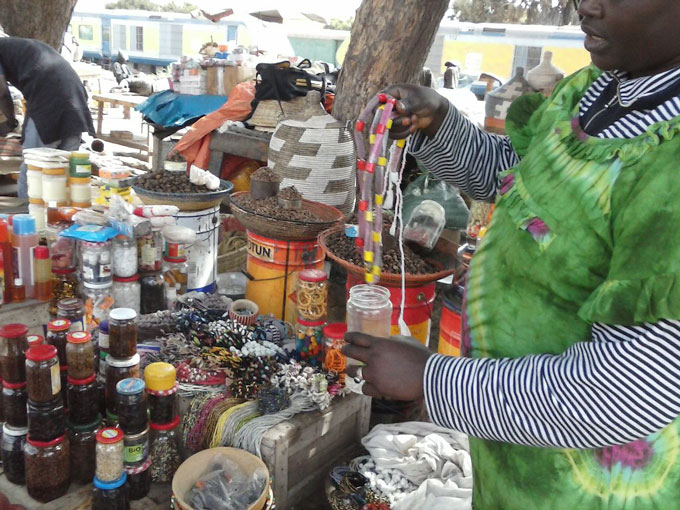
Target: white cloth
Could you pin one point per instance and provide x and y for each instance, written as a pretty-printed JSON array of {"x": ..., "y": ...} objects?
[{"x": 435, "y": 459}]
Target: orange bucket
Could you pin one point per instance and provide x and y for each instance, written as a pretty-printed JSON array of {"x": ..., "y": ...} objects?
[{"x": 450, "y": 327}]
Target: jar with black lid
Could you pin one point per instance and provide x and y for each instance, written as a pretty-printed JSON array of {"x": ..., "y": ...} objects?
[
  {"x": 46, "y": 421},
  {"x": 117, "y": 370},
  {"x": 42, "y": 373},
  {"x": 57, "y": 332},
  {"x": 153, "y": 293},
  {"x": 83, "y": 400},
  {"x": 83, "y": 439},
  {"x": 139, "y": 480},
  {"x": 131, "y": 406},
  {"x": 122, "y": 333},
  {"x": 111, "y": 495},
  {"x": 79, "y": 355},
  {"x": 72, "y": 309},
  {"x": 12, "y": 451},
  {"x": 13, "y": 344},
  {"x": 47, "y": 468},
  {"x": 14, "y": 398}
]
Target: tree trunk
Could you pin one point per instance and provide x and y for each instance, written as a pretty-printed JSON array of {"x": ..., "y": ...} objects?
[
  {"x": 45, "y": 20},
  {"x": 390, "y": 42}
]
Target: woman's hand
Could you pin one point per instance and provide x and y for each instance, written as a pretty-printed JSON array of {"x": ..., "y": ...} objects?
[
  {"x": 394, "y": 367},
  {"x": 417, "y": 108}
]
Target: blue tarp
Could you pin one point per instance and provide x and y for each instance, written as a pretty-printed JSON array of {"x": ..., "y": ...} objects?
[{"x": 168, "y": 109}]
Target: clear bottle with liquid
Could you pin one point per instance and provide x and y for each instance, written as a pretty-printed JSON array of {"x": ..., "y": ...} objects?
[
  {"x": 24, "y": 242},
  {"x": 42, "y": 271}
]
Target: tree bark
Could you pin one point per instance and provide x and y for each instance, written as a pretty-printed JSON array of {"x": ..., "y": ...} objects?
[
  {"x": 390, "y": 42},
  {"x": 45, "y": 20}
]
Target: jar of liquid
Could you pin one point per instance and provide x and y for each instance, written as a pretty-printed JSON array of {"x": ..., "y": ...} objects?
[
  {"x": 131, "y": 407},
  {"x": 165, "y": 450},
  {"x": 46, "y": 421},
  {"x": 117, "y": 370},
  {"x": 80, "y": 355},
  {"x": 98, "y": 303},
  {"x": 47, "y": 468},
  {"x": 369, "y": 310},
  {"x": 13, "y": 345},
  {"x": 312, "y": 295},
  {"x": 42, "y": 273},
  {"x": 122, "y": 333},
  {"x": 124, "y": 257},
  {"x": 110, "y": 454},
  {"x": 24, "y": 242},
  {"x": 334, "y": 340},
  {"x": 95, "y": 262},
  {"x": 72, "y": 310},
  {"x": 139, "y": 480},
  {"x": 127, "y": 292},
  {"x": 111, "y": 496},
  {"x": 83, "y": 439},
  {"x": 14, "y": 398},
  {"x": 83, "y": 400},
  {"x": 64, "y": 286},
  {"x": 152, "y": 293},
  {"x": 12, "y": 448},
  {"x": 150, "y": 252},
  {"x": 57, "y": 333}
]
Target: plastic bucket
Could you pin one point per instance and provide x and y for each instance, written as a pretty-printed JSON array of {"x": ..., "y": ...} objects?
[
  {"x": 450, "y": 326},
  {"x": 272, "y": 269},
  {"x": 417, "y": 307},
  {"x": 202, "y": 255}
]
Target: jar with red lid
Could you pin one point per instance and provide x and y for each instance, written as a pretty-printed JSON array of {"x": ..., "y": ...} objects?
[
  {"x": 57, "y": 332},
  {"x": 333, "y": 342},
  {"x": 14, "y": 400},
  {"x": 79, "y": 355},
  {"x": 309, "y": 344},
  {"x": 64, "y": 286},
  {"x": 312, "y": 295},
  {"x": 73, "y": 310},
  {"x": 83, "y": 400},
  {"x": 166, "y": 450},
  {"x": 34, "y": 340},
  {"x": 110, "y": 454},
  {"x": 42, "y": 373},
  {"x": 46, "y": 420},
  {"x": 13, "y": 344},
  {"x": 47, "y": 468}
]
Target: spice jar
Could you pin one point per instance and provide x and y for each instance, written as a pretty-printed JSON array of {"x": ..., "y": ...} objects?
[
  {"x": 47, "y": 468},
  {"x": 161, "y": 387},
  {"x": 12, "y": 452},
  {"x": 42, "y": 373},
  {"x": 124, "y": 256},
  {"x": 309, "y": 345},
  {"x": 150, "y": 252},
  {"x": 369, "y": 310},
  {"x": 34, "y": 340},
  {"x": 111, "y": 496},
  {"x": 83, "y": 400},
  {"x": 312, "y": 295},
  {"x": 79, "y": 355},
  {"x": 72, "y": 309},
  {"x": 152, "y": 293},
  {"x": 122, "y": 333},
  {"x": 109, "y": 454},
  {"x": 64, "y": 286},
  {"x": 127, "y": 292},
  {"x": 165, "y": 450},
  {"x": 98, "y": 303},
  {"x": 139, "y": 480},
  {"x": 131, "y": 405},
  {"x": 57, "y": 333},
  {"x": 13, "y": 343},
  {"x": 136, "y": 448},
  {"x": 47, "y": 420},
  {"x": 83, "y": 440},
  {"x": 14, "y": 398},
  {"x": 117, "y": 370},
  {"x": 334, "y": 340},
  {"x": 95, "y": 262}
]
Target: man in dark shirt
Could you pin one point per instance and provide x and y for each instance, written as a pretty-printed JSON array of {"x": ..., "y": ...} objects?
[{"x": 56, "y": 100}]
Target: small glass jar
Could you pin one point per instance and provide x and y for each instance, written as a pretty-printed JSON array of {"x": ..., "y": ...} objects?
[
  {"x": 333, "y": 342},
  {"x": 95, "y": 262},
  {"x": 131, "y": 406},
  {"x": 80, "y": 355},
  {"x": 127, "y": 292},
  {"x": 139, "y": 480},
  {"x": 14, "y": 398},
  {"x": 57, "y": 333},
  {"x": 312, "y": 295},
  {"x": 136, "y": 448},
  {"x": 369, "y": 310},
  {"x": 12, "y": 451},
  {"x": 162, "y": 405},
  {"x": 98, "y": 303},
  {"x": 83, "y": 400},
  {"x": 64, "y": 287},
  {"x": 47, "y": 468},
  {"x": 150, "y": 252},
  {"x": 72, "y": 310},
  {"x": 42, "y": 373},
  {"x": 175, "y": 273},
  {"x": 111, "y": 496},
  {"x": 309, "y": 342},
  {"x": 83, "y": 439},
  {"x": 46, "y": 421},
  {"x": 125, "y": 261},
  {"x": 152, "y": 293},
  {"x": 122, "y": 333},
  {"x": 165, "y": 450},
  {"x": 13, "y": 344},
  {"x": 62, "y": 251},
  {"x": 110, "y": 454},
  {"x": 117, "y": 370}
]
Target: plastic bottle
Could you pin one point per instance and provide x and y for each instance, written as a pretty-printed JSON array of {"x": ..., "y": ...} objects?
[
  {"x": 42, "y": 271},
  {"x": 7, "y": 261},
  {"x": 24, "y": 241},
  {"x": 18, "y": 291}
]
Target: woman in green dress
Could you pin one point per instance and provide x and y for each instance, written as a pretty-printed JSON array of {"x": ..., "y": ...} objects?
[{"x": 570, "y": 390}]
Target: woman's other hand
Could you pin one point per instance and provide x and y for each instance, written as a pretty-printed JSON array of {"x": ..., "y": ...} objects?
[{"x": 417, "y": 108}]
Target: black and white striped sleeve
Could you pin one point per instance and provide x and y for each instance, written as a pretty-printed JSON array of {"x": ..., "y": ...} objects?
[
  {"x": 621, "y": 386},
  {"x": 465, "y": 156}
]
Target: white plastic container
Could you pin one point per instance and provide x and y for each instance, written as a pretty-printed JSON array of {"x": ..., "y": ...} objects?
[
  {"x": 54, "y": 188},
  {"x": 80, "y": 190},
  {"x": 202, "y": 255},
  {"x": 39, "y": 212},
  {"x": 34, "y": 179}
]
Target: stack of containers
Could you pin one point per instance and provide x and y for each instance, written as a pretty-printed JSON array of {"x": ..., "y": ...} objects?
[
  {"x": 97, "y": 277},
  {"x": 312, "y": 309},
  {"x": 122, "y": 361},
  {"x": 47, "y": 180},
  {"x": 134, "y": 421},
  {"x": 80, "y": 172},
  {"x": 126, "y": 286},
  {"x": 114, "y": 181},
  {"x": 110, "y": 489}
]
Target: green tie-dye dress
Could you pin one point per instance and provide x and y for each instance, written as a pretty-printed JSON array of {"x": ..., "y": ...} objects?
[{"x": 585, "y": 230}]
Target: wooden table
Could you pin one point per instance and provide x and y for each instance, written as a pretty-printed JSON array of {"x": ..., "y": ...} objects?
[{"x": 127, "y": 101}]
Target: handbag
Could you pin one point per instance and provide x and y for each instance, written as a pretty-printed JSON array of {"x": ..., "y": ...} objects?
[{"x": 283, "y": 82}]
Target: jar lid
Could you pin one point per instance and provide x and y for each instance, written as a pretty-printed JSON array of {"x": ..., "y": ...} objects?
[
  {"x": 35, "y": 340},
  {"x": 122, "y": 279},
  {"x": 104, "y": 327},
  {"x": 8, "y": 430},
  {"x": 163, "y": 393},
  {"x": 122, "y": 314},
  {"x": 23, "y": 224},
  {"x": 13, "y": 330},
  {"x": 335, "y": 330},
  {"x": 160, "y": 376},
  {"x": 45, "y": 444},
  {"x": 130, "y": 386},
  {"x": 165, "y": 426},
  {"x": 109, "y": 435},
  {"x": 311, "y": 324},
  {"x": 13, "y": 386},
  {"x": 78, "y": 180},
  {"x": 97, "y": 286},
  {"x": 312, "y": 275},
  {"x": 107, "y": 486},
  {"x": 64, "y": 270},
  {"x": 59, "y": 324},
  {"x": 78, "y": 337},
  {"x": 87, "y": 427},
  {"x": 131, "y": 438},
  {"x": 41, "y": 252},
  {"x": 41, "y": 352},
  {"x": 136, "y": 470},
  {"x": 79, "y": 154},
  {"x": 81, "y": 382},
  {"x": 122, "y": 362}
]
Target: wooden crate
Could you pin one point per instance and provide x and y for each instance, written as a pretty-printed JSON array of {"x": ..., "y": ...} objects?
[{"x": 301, "y": 452}]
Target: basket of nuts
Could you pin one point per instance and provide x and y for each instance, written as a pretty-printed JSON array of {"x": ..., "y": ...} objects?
[{"x": 175, "y": 188}]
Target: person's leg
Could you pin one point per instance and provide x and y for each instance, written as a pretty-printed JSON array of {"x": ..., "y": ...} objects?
[{"x": 70, "y": 143}]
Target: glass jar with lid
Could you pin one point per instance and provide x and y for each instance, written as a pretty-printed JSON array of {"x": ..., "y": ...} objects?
[
  {"x": 110, "y": 454},
  {"x": 131, "y": 405},
  {"x": 136, "y": 448},
  {"x": 127, "y": 292},
  {"x": 47, "y": 468},
  {"x": 12, "y": 452},
  {"x": 153, "y": 293},
  {"x": 72, "y": 310},
  {"x": 334, "y": 340},
  {"x": 47, "y": 420},
  {"x": 64, "y": 286},
  {"x": 13, "y": 344},
  {"x": 122, "y": 332},
  {"x": 34, "y": 340},
  {"x": 117, "y": 370},
  {"x": 150, "y": 252},
  {"x": 42, "y": 373},
  {"x": 125, "y": 261},
  {"x": 165, "y": 450},
  {"x": 95, "y": 262},
  {"x": 312, "y": 295},
  {"x": 369, "y": 310},
  {"x": 161, "y": 387},
  {"x": 98, "y": 303},
  {"x": 57, "y": 333},
  {"x": 139, "y": 480},
  {"x": 111, "y": 495},
  {"x": 83, "y": 400},
  {"x": 62, "y": 250},
  {"x": 83, "y": 439},
  {"x": 79, "y": 355},
  {"x": 309, "y": 343},
  {"x": 176, "y": 272},
  {"x": 14, "y": 398}
]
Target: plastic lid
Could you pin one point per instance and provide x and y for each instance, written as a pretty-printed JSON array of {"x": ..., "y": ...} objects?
[
  {"x": 130, "y": 386},
  {"x": 13, "y": 386},
  {"x": 70, "y": 304},
  {"x": 81, "y": 382},
  {"x": 132, "y": 278},
  {"x": 42, "y": 252},
  {"x": 335, "y": 330},
  {"x": 23, "y": 224},
  {"x": 18, "y": 282},
  {"x": 165, "y": 426},
  {"x": 13, "y": 330},
  {"x": 160, "y": 376},
  {"x": 122, "y": 314},
  {"x": 41, "y": 352},
  {"x": 312, "y": 275},
  {"x": 108, "y": 486},
  {"x": 104, "y": 327},
  {"x": 173, "y": 259},
  {"x": 110, "y": 435},
  {"x": 8, "y": 430},
  {"x": 4, "y": 231},
  {"x": 87, "y": 427},
  {"x": 45, "y": 444},
  {"x": 35, "y": 340},
  {"x": 312, "y": 324},
  {"x": 80, "y": 154},
  {"x": 59, "y": 325},
  {"x": 89, "y": 285},
  {"x": 78, "y": 337},
  {"x": 122, "y": 362}
]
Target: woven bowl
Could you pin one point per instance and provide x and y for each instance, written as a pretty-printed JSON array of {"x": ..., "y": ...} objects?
[
  {"x": 186, "y": 201},
  {"x": 286, "y": 230}
]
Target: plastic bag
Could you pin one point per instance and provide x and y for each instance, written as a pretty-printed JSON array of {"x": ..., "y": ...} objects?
[
  {"x": 428, "y": 187},
  {"x": 226, "y": 487}
]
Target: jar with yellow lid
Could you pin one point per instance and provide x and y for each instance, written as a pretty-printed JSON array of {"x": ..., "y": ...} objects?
[
  {"x": 79, "y": 164},
  {"x": 161, "y": 388},
  {"x": 160, "y": 376}
]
